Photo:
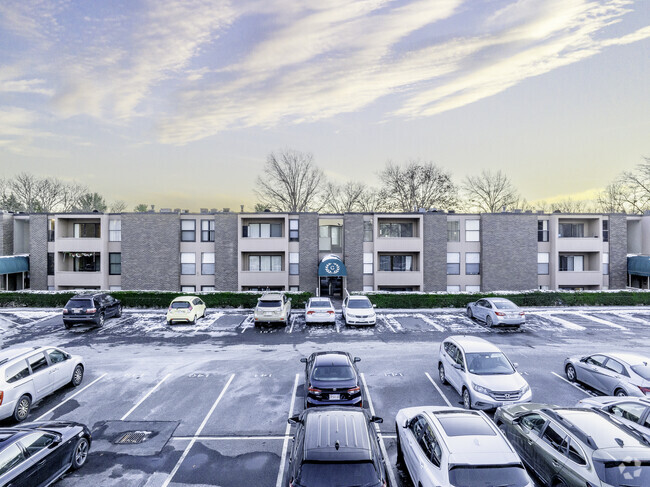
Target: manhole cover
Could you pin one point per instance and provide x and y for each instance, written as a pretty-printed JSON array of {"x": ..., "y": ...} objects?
[{"x": 133, "y": 437}]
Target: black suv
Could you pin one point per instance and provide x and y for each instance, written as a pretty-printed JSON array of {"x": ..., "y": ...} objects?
[
  {"x": 336, "y": 446},
  {"x": 331, "y": 378},
  {"x": 91, "y": 308}
]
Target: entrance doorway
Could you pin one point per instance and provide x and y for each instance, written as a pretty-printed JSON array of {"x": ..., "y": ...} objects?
[{"x": 331, "y": 286}]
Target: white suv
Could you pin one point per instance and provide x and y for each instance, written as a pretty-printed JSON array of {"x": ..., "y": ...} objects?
[
  {"x": 273, "y": 307},
  {"x": 29, "y": 374},
  {"x": 454, "y": 447},
  {"x": 358, "y": 310}
]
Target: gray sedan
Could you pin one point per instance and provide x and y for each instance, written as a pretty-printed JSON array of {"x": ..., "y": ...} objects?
[
  {"x": 633, "y": 411},
  {"x": 614, "y": 374},
  {"x": 496, "y": 311}
]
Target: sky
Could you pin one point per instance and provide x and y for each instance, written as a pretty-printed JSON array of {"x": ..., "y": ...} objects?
[{"x": 177, "y": 103}]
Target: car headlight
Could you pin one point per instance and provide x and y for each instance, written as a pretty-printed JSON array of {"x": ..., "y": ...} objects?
[
  {"x": 480, "y": 389},
  {"x": 525, "y": 389}
]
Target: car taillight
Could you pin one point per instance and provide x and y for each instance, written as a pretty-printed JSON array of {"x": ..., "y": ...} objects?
[
  {"x": 65, "y": 311},
  {"x": 499, "y": 313},
  {"x": 314, "y": 390},
  {"x": 330, "y": 312},
  {"x": 91, "y": 310},
  {"x": 2, "y": 396},
  {"x": 190, "y": 308},
  {"x": 521, "y": 313},
  {"x": 310, "y": 312},
  {"x": 645, "y": 390},
  {"x": 354, "y": 390}
]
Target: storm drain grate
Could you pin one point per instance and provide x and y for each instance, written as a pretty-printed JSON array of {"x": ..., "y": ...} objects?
[{"x": 133, "y": 437}]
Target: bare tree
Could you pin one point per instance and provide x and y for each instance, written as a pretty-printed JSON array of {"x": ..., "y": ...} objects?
[
  {"x": 91, "y": 202},
  {"x": 615, "y": 198},
  {"x": 569, "y": 205},
  {"x": 344, "y": 198},
  {"x": 260, "y": 208},
  {"x": 141, "y": 208},
  {"x": 490, "y": 192},
  {"x": 117, "y": 206},
  {"x": 373, "y": 200},
  {"x": 71, "y": 194},
  {"x": 24, "y": 188},
  {"x": 49, "y": 194},
  {"x": 417, "y": 185},
  {"x": 634, "y": 188},
  {"x": 290, "y": 182}
]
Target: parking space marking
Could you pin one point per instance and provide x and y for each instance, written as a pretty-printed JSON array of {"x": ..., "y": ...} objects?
[
  {"x": 68, "y": 398},
  {"x": 584, "y": 391},
  {"x": 389, "y": 465},
  {"x": 143, "y": 398},
  {"x": 429, "y": 321},
  {"x": 248, "y": 322},
  {"x": 388, "y": 319},
  {"x": 628, "y": 316},
  {"x": 550, "y": 315},
  {"x": 227, "y": 438},
  {"x": 438, "y": 389},
  {"x": 604, "y": 322},
  {"x": 293, "y": 320},
  {"x": 287, "y": 430},
  {"x": 198, "y": 432}
]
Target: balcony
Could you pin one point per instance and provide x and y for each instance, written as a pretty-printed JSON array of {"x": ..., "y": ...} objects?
[
  {"x": 263, "y": 279},
  {"x": 398, "y": 244},
  {"x": 579, "y": 244},
  {"x": 269, "y": 244},
  {"x": 579, "y": 278},
  {"x": 398, "y": 278},
  {"x": 78, "y": 244},
  {"x": 78, "y": 279}
]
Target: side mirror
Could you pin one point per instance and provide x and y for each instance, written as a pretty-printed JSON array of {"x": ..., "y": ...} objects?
[
  {"x": 583, "y": 359},
  {"x": 68, "y": 356},
  {"x": 374, "y": 305},
  {"x": 56, "y": 441},
  {"x": 456, "y": 366},
  {"x": 293, "y": 420},
  {"x": 376, "y": 419},
  {"x": 357, "y": 359},
  {"x": 303, "y": 360}
]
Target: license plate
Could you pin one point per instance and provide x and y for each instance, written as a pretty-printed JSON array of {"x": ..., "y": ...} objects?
[
  {"x": 335, "y": 397},
  {"x": 76, "y": 311}
]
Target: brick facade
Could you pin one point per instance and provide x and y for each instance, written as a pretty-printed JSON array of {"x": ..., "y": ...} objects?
[
  {"x": 617, "y": 251},
  {"x": 6, "y": 235},
  {"x": 226, "y": 232},
  {"x": 38, "y": 251},
  {"x": 434, "y": 255},
  {"x": 353, "y": 255},
  {"x": 308, "y": 253}
]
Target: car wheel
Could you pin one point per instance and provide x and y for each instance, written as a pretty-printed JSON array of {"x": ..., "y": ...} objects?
[
  {"x": 467, "y": 399},
  {"x": 169, "y": 322},
  {"x": 194, "y": 320},
  {"x": 441, "y": 374},
  {"x": 100, "y": 321},
  {"x": 571, "y": 373},
  {"x": 119, "y": 311},
  {"x": 80, "y": 453},
  {"x": 67, "y": 325},
  {"x": 23, "y": 406},
  {"x": 620, "y": 393},
  {"x": 488, "y": 321},
  {"x": 77, "y": 375},
  {"x": 470, "y": 315}
]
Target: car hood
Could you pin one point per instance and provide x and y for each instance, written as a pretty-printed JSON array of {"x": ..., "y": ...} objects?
[
  {"x": 360, "y": 311},
  {"x": 511, "y": 382}
]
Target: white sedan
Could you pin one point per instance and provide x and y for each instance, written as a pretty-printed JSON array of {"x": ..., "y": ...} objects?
[
  {"x": 320, "y": 310},
  {"x": 358, "y": 310}
]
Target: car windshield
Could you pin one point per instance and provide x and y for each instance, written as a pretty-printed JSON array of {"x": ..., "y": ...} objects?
[
  {"x": 269, "y": 304},
  {"x": 488, "y": 476},
  {"x": 333, "y": 372},
  {"x": 504, "y": 304},
  {"x": 357, "y": 474},
  {"x": 320, "y": 304},
  {"x": 489, "y": 363},
  {"x": 642, "y": 370},
  {"x": 633, "y": 473},
  {"x": 80, "y": 303},
  {"x": 180, "y": 304},
  {"x": 359, "y": 303}
]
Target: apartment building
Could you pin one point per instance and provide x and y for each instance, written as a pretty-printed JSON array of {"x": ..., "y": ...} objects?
[{"x": 429, "y": 251}]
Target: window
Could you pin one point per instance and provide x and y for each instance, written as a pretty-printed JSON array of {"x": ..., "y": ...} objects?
[
  {"x": 17, "y": 371},
  {"x": 367, "y": 231},
  {"x": 629, "y": 411},
  {"x": 472, "y": 232},
  {"x": 262, "y": 230},
  {"x": 368, "y": 260},
  {"x": 396, "y": 230},
  {"x": 207, "y": 288},
  {"x": 84, "y": 262},
  {"x": 453, "y": 263},
  {"x": 542, "y": 262},
  {"x": 115, "y": 263},
  {"x": 188, "y": 289},
  {"x": 50, "y": 230},
  {"x": 10, "y": 457},
  {"x": 188, "y": 230},
  {"x": 293, "y": 230},
  {"x": 453, "y": 231},
  {"x": 430, "y": 446},
  {"x": 50, "y": 263},
  {"x": 188, "y": 263},
  {"x": 605, "y": 263},
  {"x": 554, "y": 436},
  {"x": 542, "y": 230},
  {"x": 207, "y": 263},
  {"x": 533, "y": 422},
  {"x": 472, "y": 263},
  {"x": 571, "y": 230},
  {"x": 115, "y": 288},
  {"x": 294, "y": 289},
  {"x": 395, "y": 263},
  {"x": 207, "y": 230},
  {"x": 472, "y": 289},
  {"x": 453, "y": 289},
  {"x": 596, "y": 360},
  {"x": 329, "y": 238},
  {"x": 572, "y": 263},
  {"x": 575, "y": 454},
  {"x": 605, "y": 230},
  {"x": 265, "y": 263},
  {"x": 86, "y": 230},
  {"x": 37, "y": 362},
  {"x": 367, "y": 289},
  {"x": 35, "y": 442},
  {"x": 294, "y": 263},
  {"x": 615, "y": 367},
  {"x": 115, "y": 230}
]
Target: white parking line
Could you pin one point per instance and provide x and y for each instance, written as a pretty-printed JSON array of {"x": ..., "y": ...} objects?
[
  {"x": 574, "y": 385},
  {"x": 389, "y": 465},
  {"x": 604, "y": 322},
  {"x": 429, "y": 321},
  {"x": 283, "y": 458},
  {"x": 228, "y": 438},
  {"x": 438, "y": 389},
  {"x": 249, "y": 322},
  {"x": 68, "y": 398},
  {"x": 145, "y": 397},
  {"x": 293, "y": 320},
  {"x": 388, "y": 319},
  {"x": 198, "y": 432}
]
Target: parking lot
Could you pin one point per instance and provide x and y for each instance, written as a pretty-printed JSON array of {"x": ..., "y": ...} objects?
[{"x": 208, "y": 404}]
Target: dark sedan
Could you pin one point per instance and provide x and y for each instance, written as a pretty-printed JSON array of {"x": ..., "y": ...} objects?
[
  {"x": 91, "y": 308},
  {"x": 37, "y": 454},
  {"x": 332, "y": 378}
]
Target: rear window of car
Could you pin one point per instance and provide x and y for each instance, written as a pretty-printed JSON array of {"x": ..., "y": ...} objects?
[
  {"x": 319, "y": 304},
  {"x": 269, "y": 304},
  {"x": 642, "y": 370},
  {"x": 17, "y": 371},
  {"x": 333, "y": 372},
  {"x": 180, "y": 304},
  {"x": 328, "y": 474},
  {"x": 80, "y": 303},
  {"x": 465, "y": 425},
  {"x": 359, "y": 303},
  {"x": 482, "y": 476},
  {"x": 505, "y": 305}
]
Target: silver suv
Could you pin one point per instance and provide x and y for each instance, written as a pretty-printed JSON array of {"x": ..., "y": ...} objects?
[
  {"x": 273, "y": 307},
  {"x": 29, "y": 374}
]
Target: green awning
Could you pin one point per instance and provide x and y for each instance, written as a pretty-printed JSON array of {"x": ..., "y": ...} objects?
[
  {"x": 332, "y": 266},
  {"x": 13, "y": 263},
  {"x": 638, "y": 265}
]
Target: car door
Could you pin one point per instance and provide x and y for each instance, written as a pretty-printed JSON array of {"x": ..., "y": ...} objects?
[
  {"x": 111, "y": 305},
  {"x": 15, "y": 469},
  {"x": 344, "y": 307},
  {"x": 548, "y": 453},
  {"x": 523, "y": 435},
  {"x": 611, "y": 375},
  {"x": 479, "y": 309},
  {"x": 589, "y": 368},
  {"x": 60, "y": 368},
  {"x": 40, "y": 375},
  {"x": 449, "y": 359},
  {"x": 410, "y": 446},
  {"x": 49, "y": 457},
  {"x": 430, "y": 457}
]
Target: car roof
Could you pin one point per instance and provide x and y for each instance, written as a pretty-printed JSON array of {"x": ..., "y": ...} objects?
[
  {"x": 9, "y": 354},
  {"x": 184, "y": 298},
  {"x": 359, "y": 297},
  {"x": 86, "y": 295},
  {"x": 474, "y": 344},
  {"x": 327, "y": 300},
  {"x": 270, "y": 296},
  {"x": 630, "y": 358},
  {"x": 333, "y": 434},
  {"x": 331, "y": 358}
]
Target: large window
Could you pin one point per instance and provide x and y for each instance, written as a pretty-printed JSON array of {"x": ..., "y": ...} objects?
[
  {"x": 453, "y": 263},
  {"x": 207, "y": 263},
  {"x": 542, "y": 230},
  {"x": 293, "y": 230},
  {"x": 395, "y": 263},
  {"x": 188, "y": 263},
  {"x": 85, "y": 262},
  {"x": 50, "y": 263},
  {"x": 605, "y": 263},
  {"x": 50, "y": 230},
  {"x": 396, "y": 230},
  {"x": 115, "y": 230},
  {"x": 472, "y": 230},
  {"x": 605, "y": 230},
  {"x": 115, "y": 263},
  {"x": 572, "y": 263},
  {"x": 542, "y": 262},
  {"x": 87, "y": 230},
  {"x": 368, "y": 260},
  {"x": 453, "y": 231},
  {"x": 472, "y": 263},
  {"x": 294, "y": 263},
  {"x": 329, "y": 238},
  {"x": 571, "y": 230},
  {"x": 265, "y": 263},
  {"x": 188, "y": 230},
  {"x": 367, "y": 231},
  {"x": 262, "y": 230},
  {"x": 207, "y": 230}
]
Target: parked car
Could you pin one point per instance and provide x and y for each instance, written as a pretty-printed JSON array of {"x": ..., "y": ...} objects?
[
  {"x": 332, "y": 378},
  {"x": 576, "y": 447},
  {"x": 273, "y": 307},
  {"x": 37, "y": 454},
  {"x": 455, "y": 447},
  {"x": 633, "y": 411},
  {"x": 481, "y": 373},
  {"x": 186, "y": 309},
  {"x": 358, "y": 310},
  {"x": 496, "y": 311},
  {"x": 92, "y": 308},
  {"x": 319, "y": 310},
  {"x": 336, "y": 447},
  {"x": 613, "y": 374},
  {"x": 27, "y": 375}
]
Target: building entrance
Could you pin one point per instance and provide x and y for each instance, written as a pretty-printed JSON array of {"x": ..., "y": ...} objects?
[{"x": 331, "y": 286}]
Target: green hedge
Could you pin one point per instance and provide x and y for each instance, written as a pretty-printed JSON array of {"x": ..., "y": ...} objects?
[{"x": 143, "y": 299}]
